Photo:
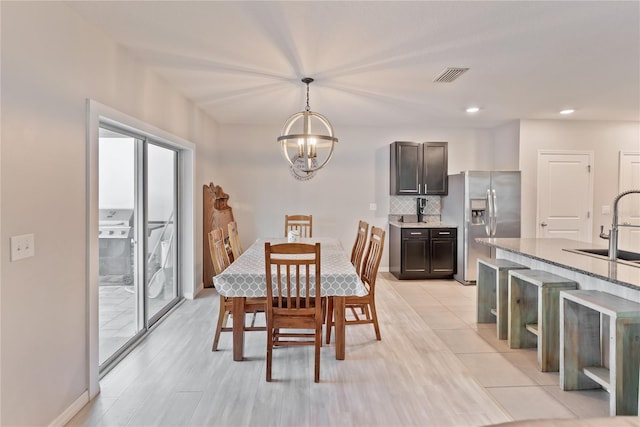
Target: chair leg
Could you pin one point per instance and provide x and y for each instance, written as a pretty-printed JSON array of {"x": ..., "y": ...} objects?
[
  {"x": 365, "y": 311},
  {"x": 325, "y": 304},
  {"x": 223, "y": 315},
  {"x": 375, "y": 319},
  {"x": 329, "y": 319},
  {"x": 318, "y": 343},
  {"x": 269, "y": 352}
]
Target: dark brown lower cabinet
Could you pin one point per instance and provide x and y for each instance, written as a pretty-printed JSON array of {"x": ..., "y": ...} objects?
[
  {"x": 422, "y": 253},
  {"x": 442, "y": 256}
]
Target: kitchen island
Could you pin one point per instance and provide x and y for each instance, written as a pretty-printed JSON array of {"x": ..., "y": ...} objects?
[
  {"x": 597, "y": 332},
  {"x": 590, "y": 272}
]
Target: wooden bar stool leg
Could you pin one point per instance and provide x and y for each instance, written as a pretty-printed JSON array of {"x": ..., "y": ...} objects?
[
  {"x": 627, "y": 368},
  {"x": 580, "y": 329}
]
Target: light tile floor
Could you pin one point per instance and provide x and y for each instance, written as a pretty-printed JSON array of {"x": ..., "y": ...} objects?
[{"x": 510, "y": 376}]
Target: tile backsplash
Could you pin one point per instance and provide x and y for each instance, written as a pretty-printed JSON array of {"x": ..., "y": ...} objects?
[{"x": 406, "y": 205}]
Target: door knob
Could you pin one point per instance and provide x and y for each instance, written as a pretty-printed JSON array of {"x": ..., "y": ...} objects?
[{"x": 543, "y": 224}]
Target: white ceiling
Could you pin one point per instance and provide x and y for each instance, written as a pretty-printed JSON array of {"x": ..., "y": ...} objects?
[{"x": 374, "y": 62}]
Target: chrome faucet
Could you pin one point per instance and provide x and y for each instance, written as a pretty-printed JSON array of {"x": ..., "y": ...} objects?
[
  {"x": 613, "y": 233},
  {"x": 421, "y": 203}
]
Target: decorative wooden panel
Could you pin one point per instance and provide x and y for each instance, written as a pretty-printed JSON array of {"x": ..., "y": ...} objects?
[{"x": 217, "y": 213}]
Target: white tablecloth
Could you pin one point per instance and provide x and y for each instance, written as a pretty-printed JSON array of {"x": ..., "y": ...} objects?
[{"x": 245, "y": 277}]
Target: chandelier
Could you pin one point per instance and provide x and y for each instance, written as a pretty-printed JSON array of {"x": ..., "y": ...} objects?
[{"x": 307, "y": 141}]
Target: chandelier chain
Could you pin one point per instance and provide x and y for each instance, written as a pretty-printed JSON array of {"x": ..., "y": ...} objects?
[{"x": 307, "y": 108}]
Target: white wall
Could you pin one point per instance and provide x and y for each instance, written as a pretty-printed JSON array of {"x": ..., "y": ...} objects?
[
  {"x": 605, "y": 139},
  {"x": 52, "y": 61},
  {"x": 505, "y": 147},
  {"x": 261, "y": 189}
]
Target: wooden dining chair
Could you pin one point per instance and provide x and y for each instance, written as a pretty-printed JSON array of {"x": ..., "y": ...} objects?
[
  {"x": 357, "y": 253},
  {"x": 368, "y": 275},
  {"x": 302, "y": 223},
  {"x": 293, "y": 275},
  {"x": 220, "y": 261},
  {"x": 234, "y": 240},
  {"x": 359, "y": 245}
]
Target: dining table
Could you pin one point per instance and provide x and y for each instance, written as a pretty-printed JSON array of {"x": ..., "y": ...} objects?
[{"x": 246, "y": 277}]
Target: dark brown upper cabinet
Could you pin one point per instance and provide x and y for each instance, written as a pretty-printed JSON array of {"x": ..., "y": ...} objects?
[{"x": 418, "y": 168}]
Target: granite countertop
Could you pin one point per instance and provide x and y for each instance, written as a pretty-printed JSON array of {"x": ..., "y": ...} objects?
[
  {"x": 431, "y": 224},
  {"x": 552, "y": 251}
]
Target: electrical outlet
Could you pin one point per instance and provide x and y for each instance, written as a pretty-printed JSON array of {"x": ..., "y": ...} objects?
[
  {"x": 373, "y": 207},
  {"x": 606, "y": 210},
  {"x": 22, "y": 246}
]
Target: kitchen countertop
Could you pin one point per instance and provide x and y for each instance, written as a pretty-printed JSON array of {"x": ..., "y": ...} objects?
[
  {"x": 436, "y": 224},
  {"x": 552, "y": 252}
]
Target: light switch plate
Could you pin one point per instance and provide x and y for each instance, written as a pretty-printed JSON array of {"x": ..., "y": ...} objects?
[
  {"x": 373, "y": 207},
  {"x": 606, "y": 210},
  {"x": 22, "y": 246}
]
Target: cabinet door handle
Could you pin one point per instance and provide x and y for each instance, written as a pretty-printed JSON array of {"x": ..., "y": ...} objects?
[
  {"x": 416, "y": 233},
  {"x": 444, "y": 233}
]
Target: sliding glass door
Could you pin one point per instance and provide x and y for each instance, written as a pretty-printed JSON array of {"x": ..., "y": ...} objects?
[
  {"x": 119, "y": 310},
  {"x": 162, "y": 283},
  {"x": 138, "y": 201}
]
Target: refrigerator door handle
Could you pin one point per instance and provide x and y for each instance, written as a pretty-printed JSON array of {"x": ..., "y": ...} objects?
[
  {"x": 488, "y": 227},
  {"x": 494, "y": 218}
]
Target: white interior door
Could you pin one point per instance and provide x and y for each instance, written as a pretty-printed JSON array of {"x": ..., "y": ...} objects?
[
  {"x": 565, "y": 194},
  {"x": 629, "y": 206}
]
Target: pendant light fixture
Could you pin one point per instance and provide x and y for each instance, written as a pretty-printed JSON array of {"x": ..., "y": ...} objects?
[{"x": 307, "y": 141}]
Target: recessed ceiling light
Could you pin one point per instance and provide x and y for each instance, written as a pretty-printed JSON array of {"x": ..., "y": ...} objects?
[
  {"x": 567, "y": 111},
  {"x": 473, "y": 109}
]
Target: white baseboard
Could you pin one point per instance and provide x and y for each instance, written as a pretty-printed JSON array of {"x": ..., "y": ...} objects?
[
  {"x": 196, "y": 291},
  {"x": 199, "y": 289},
  {"x": 71, "y": 411}
]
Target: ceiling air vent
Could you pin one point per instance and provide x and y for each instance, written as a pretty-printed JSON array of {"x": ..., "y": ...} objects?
[{"x": 449, "y": 75}]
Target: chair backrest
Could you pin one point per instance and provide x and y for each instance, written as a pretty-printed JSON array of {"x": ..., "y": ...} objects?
[
  {"x": 302, "y": 223},
  {"x": 293, "y": 274},
  {"x": 372, "y": 259},
  {"x": 219, "y": 255},
  {"x": 358, "y": 247},
  {"x": 234, "y": 240}
]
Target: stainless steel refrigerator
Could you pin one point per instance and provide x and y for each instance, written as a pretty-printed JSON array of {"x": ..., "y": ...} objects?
[{"x": 481, "y": 204}]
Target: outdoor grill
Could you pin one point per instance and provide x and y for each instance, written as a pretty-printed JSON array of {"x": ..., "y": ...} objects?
[{"x": 115, "y": 238}]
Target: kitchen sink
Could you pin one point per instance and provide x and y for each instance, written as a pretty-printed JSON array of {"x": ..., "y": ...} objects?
[
  {"x": 628, "y": 256},
  {"x": 409, "y": 219}
]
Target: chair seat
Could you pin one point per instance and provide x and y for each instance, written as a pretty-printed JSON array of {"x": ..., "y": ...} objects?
[
  {"x": 255, "y": 304},
  {"x": 251, "y": 305},
  {"x": 294, "y": 321},
  {"x": 302, "y": 304},
  {"x": 357, "y": 300}
]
